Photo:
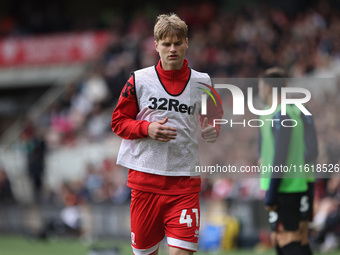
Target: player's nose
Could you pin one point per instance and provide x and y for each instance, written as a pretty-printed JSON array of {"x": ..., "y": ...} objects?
[{"x": 173, "y": 48}]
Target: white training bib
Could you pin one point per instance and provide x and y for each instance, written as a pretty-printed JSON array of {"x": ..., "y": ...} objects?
[{"x": 177, "y": 157}]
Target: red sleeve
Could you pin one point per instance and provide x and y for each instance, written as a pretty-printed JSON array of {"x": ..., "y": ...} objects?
[
  {"x": 124, "y": 121},
  {"x": 213, "y": 112}
]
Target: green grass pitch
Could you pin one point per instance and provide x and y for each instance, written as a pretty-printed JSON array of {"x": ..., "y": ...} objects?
[{"x": 19, "y": 245}]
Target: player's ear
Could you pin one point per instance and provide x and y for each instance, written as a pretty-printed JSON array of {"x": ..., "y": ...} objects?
[
  {"x": 156, "y": 46},
  {"x": 269, "y": 89}
]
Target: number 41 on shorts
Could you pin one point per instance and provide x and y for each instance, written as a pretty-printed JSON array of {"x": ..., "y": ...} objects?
[{"x": 186, "y": 218}]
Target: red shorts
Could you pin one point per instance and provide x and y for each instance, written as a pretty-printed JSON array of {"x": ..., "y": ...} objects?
[{"x": 154, "y": 215}]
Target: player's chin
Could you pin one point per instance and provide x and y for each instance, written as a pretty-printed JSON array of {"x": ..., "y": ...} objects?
[{"x": 174, "y": 61}]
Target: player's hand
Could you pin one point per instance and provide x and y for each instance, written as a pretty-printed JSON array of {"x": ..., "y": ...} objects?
[
  {"x": 209, "y": 132},
  {"x": 273, "y": 238},
  {"x": 158, "y": 131},
  {"x": 259, "y": 161},
  {"x": 269, "y": 208}
]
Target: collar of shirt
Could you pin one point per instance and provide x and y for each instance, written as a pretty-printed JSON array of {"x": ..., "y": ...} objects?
[{"x": 174, "y": 80}]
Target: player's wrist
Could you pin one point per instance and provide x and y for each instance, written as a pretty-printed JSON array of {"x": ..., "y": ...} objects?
[
  {"x": 270, "y": 201},
  {"x": 145, "y": 128}
]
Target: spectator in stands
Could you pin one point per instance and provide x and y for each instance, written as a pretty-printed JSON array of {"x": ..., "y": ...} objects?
[
  {"x": 75, "y": 218},
  {"x": 6, "y": 195},
  {"x": 327, "y": 217},
  {"x": 93, "y": 182},
  {"x": 35, "y": 150},
  {"x": 97, "y": 126}
]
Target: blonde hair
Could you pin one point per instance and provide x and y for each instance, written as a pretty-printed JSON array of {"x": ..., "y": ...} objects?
[{"x": 169, "y": 25}]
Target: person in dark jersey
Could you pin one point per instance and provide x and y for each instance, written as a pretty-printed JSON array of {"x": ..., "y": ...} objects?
[
  {"x": 310, "y": 156},
  {"x": 284, "y": 145}
]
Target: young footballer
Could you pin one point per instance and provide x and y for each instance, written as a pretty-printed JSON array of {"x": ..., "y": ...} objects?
[
  {"x": 285, "y": 145},
  {"x": 157, "y": 115}
]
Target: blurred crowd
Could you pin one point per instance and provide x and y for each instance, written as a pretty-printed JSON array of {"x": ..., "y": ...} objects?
[
  {"x": 225, "y": 40},
  {"x": 326, "y": 223}
]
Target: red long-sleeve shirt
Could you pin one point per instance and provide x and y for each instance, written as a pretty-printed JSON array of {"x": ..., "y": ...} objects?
[{"x": 125, "y": 125}]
